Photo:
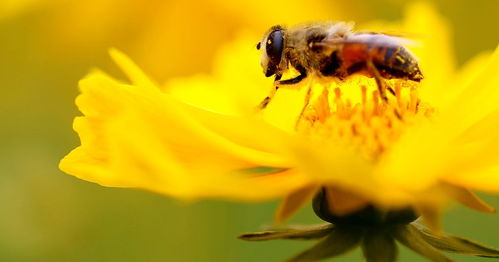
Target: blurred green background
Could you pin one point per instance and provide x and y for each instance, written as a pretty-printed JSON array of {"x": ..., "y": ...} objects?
[{"x": 46, "y": 46}]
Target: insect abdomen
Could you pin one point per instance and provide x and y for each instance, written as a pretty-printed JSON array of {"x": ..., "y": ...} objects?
[
  {"x": 397, "y": 62},
  {"x": 392, "y": 61}
]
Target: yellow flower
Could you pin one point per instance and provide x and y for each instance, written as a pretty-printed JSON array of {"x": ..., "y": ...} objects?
[{"x": 200, "y": 137}]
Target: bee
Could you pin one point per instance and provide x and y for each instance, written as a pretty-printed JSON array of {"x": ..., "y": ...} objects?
[{"x": 335, "y": 51}]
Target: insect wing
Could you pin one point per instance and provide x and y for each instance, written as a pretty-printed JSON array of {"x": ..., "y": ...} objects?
[{"x": 377, "y": 39}]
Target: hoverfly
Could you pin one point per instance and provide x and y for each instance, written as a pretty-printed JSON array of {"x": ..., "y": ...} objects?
[{"x": 334, "y": 50}]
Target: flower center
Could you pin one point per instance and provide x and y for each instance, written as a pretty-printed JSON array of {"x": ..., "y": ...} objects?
[{"x": 356, "y": 115}]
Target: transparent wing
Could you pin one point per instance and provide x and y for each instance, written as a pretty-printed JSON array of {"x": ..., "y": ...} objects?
[{"x": 368, "y": 38}]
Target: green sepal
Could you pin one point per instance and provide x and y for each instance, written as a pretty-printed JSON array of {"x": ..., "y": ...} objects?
[
  {"x": 296, "y": 232},
  {"x": 378, "y": 245},
  {"x": 411, "y": 237},
  {"x": 456, "y": 244},
  {"x": 337, "y": 242}
]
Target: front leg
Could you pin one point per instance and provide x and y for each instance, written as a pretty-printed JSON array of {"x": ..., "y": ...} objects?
[
  {"x": 268, "y": 98},
  {"x": 278, "y": 82},
  {"x": 295, "y": 80}
]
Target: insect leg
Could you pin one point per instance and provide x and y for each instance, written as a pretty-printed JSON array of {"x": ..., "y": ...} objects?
[
  {"x": 305, "y": 105},
  {"x": 382, "y": 86},
  {"x": 297, "y": 79},
  {"x": 390, "y": 89},
  {"x": 379, "y": 79},
  {"x": 265, "y": 102}
]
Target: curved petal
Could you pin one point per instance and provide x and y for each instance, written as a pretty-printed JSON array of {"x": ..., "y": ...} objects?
[
  {"x": 483, "y": 179},
  {"x": 138, "y": 136},
  {"x": 293, "y": 202},
  {"x": 478, "y": 99},
  {"x": 421, "y": 18}
]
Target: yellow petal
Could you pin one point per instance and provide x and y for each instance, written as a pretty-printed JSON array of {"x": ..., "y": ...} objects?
[
  {"x": 136, "y": 75},
  {"x": 264, "y": 187},
  {"x": 478, "y": 99},
  {"x": 335, "y": 164},
  {"x": 421, "y": 18},
  {"x": 191, "y": 119},
  {"x": 462, "y": 79},
  {"x": 483, "y": 179},
  {"x": 236, "y": 85},
  {"x": 84, "y": 165},
  {"x": 459, "y": 141},
  {"x": 140, "y": 137},
  {"x": 468, "y": 198},
  {"x": 293, "y": 202},
  {"x": 431, "y": 217}
]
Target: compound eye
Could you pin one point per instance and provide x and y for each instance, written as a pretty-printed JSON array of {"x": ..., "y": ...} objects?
[{"x": 274, "y": 46}]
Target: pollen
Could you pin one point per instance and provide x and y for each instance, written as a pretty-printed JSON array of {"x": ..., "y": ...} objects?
[{"x": 356, "y": 115}]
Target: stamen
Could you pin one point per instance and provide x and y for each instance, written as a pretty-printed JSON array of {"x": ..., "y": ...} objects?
[{"x": 369, "y": 124}]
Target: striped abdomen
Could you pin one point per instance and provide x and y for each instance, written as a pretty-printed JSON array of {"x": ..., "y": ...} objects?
[{"x": 390, "y": 58}]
